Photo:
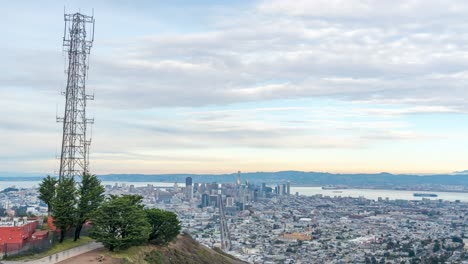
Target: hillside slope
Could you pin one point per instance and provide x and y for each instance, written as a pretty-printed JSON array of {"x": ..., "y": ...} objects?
[
  {"x": 187, "y": 250},
  {"x": 184, "y": 250}
]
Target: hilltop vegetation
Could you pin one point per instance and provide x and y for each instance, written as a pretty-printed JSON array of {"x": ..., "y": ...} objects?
[
  {"x": 186, "y": 250},
  {"x": 118, "y": 221},
  {"x": 121, "y": 222},
  {"x": 183, "y": 250}
]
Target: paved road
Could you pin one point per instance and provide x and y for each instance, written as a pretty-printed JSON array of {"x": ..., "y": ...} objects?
[{"x": 59, "y": 256}]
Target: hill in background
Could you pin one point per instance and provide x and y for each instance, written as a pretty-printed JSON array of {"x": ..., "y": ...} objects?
[{"x": 297, "y": 178}]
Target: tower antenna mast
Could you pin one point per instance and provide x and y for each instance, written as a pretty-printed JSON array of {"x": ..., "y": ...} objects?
[{"x": 78, "y": 39}]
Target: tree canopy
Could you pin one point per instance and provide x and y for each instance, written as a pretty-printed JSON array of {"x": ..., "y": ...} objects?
[
  {"x": 64, "y": 205},
  {"x": 47, "y": 191},
  {"x": 120, "y": 222},
  {"x": 164, "y": 225},
  {"x": 90, "y": 195}
]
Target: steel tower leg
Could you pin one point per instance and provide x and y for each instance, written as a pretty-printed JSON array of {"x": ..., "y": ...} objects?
[{"x": 74, "y": 157}]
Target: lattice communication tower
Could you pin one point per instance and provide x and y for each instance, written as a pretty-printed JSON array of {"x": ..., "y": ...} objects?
[{"x": 77, "y": 42}]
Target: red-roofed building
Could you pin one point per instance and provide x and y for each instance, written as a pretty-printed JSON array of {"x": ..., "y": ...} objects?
[{"x": 15, "y": 232}]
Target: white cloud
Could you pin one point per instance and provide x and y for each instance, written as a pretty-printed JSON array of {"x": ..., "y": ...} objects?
[
  {"x": 410, "y": 57},
  {"x": 263, "y": 56},
  {"x": 359, "y": 9}
]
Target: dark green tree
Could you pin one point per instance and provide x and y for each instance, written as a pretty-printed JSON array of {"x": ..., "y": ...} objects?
[
  {"x": 120, "y": 222},
  {"x": 90, "y": 196},
  {"x": 64, "y": 204},
  {"x": 164, "y": 225},
  {"x": 47, "y": 191}
]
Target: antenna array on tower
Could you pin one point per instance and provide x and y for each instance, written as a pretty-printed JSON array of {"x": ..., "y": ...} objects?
[{"x": 77, "y": 42}]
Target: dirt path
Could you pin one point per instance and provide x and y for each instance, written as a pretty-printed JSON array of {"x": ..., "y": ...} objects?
[{"x": 94, "y": 256}]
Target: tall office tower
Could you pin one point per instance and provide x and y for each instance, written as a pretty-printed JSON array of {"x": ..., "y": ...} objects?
[
  {"x": 229, "y": 202},
  {"x": 202, "y": 188},
  {"x": 241, "y": 193},
  {"x": 205, "y": 200},
  {"x": 288, "y": 188},
  {"x": 281, "y": 189},
  {"x": 239, "y": 182},
  {"x": 212, "y": 187},
  {"x": 255, "y": 195},
  {"x": 263, "y": 190},
  {"x": 188, "y": 181},
  {"x": 214, "y": 200},
  {"x": 188, "y": 188}
]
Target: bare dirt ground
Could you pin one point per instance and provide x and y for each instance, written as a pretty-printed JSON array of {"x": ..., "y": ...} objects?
[{"x": 95, "y": 256}]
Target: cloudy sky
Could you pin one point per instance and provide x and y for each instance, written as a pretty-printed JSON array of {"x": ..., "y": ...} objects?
[{"x": 220, "y": 86}]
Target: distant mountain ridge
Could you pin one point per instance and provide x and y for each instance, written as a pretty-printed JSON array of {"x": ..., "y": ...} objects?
[
  {"x": 294, "y": 177},
  {"x": 461, "y": 172}
]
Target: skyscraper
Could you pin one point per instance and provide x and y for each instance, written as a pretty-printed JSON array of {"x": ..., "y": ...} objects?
[
  {"x": 188, "y": 181},
  {"x": 188, "y": 188},
  {"x": 205, "y": 200},
  {"x": 229, "y": 202}
]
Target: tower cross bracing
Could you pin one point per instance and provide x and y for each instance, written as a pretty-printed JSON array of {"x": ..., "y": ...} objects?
[{"x": 77, "y": 42}]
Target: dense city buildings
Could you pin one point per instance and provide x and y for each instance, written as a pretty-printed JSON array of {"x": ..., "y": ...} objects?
[
  {"x": 266, "y": 224},
  {"x": 269, "y": 225}
]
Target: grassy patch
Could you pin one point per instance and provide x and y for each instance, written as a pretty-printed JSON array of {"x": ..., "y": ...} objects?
[
  {"x": 183, "y": 250},
  {"x": 135, "y": 254},
  {"x": 154, "y": 257},
  {"x": 58, "y": 247}
]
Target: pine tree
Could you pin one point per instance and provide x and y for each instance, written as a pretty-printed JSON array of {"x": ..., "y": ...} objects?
[
  {"x": 47, "y": 191},
  {"x": 164, "y": 225},
  {"x": 90, "y": 196},
  {"x": 120, "y": 222},
  {"x": 64, "y": 204}
]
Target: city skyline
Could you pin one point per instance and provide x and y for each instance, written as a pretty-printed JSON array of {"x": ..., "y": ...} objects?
[{"x": 217, "y": 87}]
